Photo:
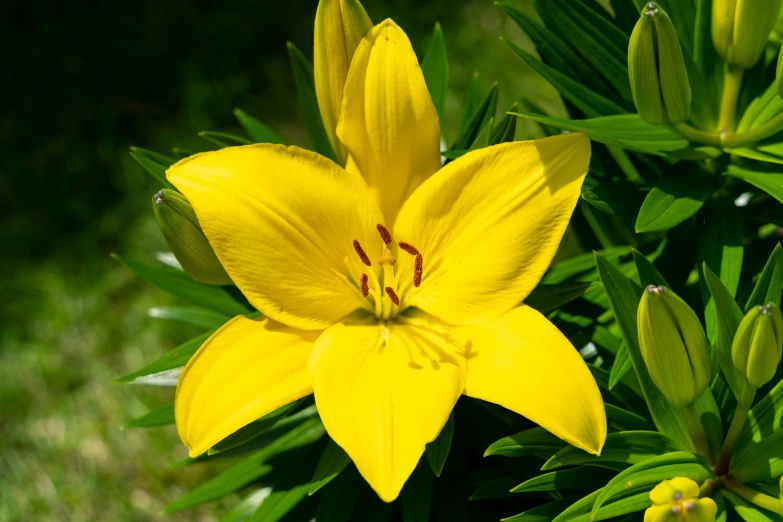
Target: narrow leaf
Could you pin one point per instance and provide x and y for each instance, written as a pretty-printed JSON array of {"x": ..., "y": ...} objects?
[
  {"x": 770, "y": 284},
  {"x": 673, "y": 199},
  {"x": 176, "y": 358},
  {"x": 435, "y": 67},
  {"x": 478, "y": 119},
  {"x": 333, "y": 461},
  {"x": 160, "y": 417},
  {"x": 257, "y": 131},
  {"x": 154, "y": 163},
  {"x": 437, "y": 451},
  {"x": 626, "y": 447}
]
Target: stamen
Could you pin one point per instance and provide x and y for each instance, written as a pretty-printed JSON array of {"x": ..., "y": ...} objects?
[
  {"x": 393, "y": 296},
  {"x": 384, "y": 233},
  {"x": 417, "y": 270},
  {"x": 365, "y": 285},
  {"x": 412, "y": 250},
  {"x": 361, "y": 252}
]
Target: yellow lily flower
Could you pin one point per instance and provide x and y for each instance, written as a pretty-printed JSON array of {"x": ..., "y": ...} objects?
[{"x": 387, "y": 291}]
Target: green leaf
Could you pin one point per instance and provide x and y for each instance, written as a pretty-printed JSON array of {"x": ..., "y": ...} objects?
[
  {"x": 154, "y": 163},
  {"x": 483, "y": 113},
  {"x": 626, "y": 131},
  {"x": 546, "y": 298},
  {"x": 756, "y": 154},
  {"x": 176, "y": 358},
  {"x": 287, "y": 492},
  {"x": 250, "y": 469},
  {"x": 583, "y": 267},
  {"x": 621, "y": 367},
  {"x": 333, "y": 461},
  {"x": 620, "y": 419},
  {"x": 727, "y": 316},
  {"x": 673, "y": 199},
  {"x": 770, "y": 283},
  {"x": 586, "y": 100},
  {"x": 624, "y": 296},
  {"x": 482, "y": 140},
  {"x": 437, "y": 451},
  {"x": 756, "y": 461},
  {"x": 242, "y": 511},
  {"x": 160, "y": 417},
  {"x": 762, "y": 109},
  {"x": 504, "y": 131},
  {"x": 258, "y": 427},
  {"x": 648, "y": 274},
  {"x": 179, "y": 284},
  {"x": 625, "y": 447},
  {"x": 198, "y": 317},
  {"x": 471, "y": 102},
  {"x": 305, "y": 93},
  {"x": 224, "y": 139},
  {"x": 416, "y": 496},
  {"x": 750, "y": 512},
  {"x": 535, "y": 441},
  {"x": 543, "y": 513},
  {"x": 257, "y": 131},
  {"x": 339, "y": 500},
  {"x": 501, "y": 487},
  {"x": 649, "y": 473},
  {"x": 621, "y": 392},
  {"x": 575, "y": 478},
  {"x": 619, "y": 198},
  {"x": 435, "y": 67},
  {"x": 765, "y": 418},
  {"x": 720, "y": 246},
  {"x": 580, "y": 511},
  {"x": 769, "y": 182}
]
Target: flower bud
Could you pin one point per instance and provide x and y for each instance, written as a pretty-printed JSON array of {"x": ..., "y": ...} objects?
[
  {"x": 187, "y": 241},
  {"x": 758, "y": 344},
  {"x": 740, "y": 29},
  {"x": 659, "y": 81},
  {"x": 340, "y": 26},
  {"x": 677, "y": 500},
  {"x": 673, "y": 345}
]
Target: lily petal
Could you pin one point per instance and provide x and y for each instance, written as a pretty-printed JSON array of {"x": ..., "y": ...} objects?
[
  {"x": 282, "y": 221},
  {"x": 388, "y": 122},
  {"x": 489, "y": 224},
  {"x": 383, "y": 393},
  {"x": 522, "y": 362},
  {"x": 248, "y": 368}
]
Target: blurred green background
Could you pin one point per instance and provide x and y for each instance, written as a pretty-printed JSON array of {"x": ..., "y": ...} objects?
[{"x": 83, "y": 81}]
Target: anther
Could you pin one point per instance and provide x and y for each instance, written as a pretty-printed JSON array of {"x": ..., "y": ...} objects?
[
  {"x": 417, "y": 270},
  {"x": 365, "y": 285},
  {"x": 393, "y": 296},
  {"x": 384, "y": 233},
  {"x": 361, "y": 252},
  {"x": 412, "y": 250}
]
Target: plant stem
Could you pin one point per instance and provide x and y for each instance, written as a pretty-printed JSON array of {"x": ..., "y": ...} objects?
[
  {"x": 751, "y": 495},
  {"x": 708, "y": 487},
  {"x": 697, "y": 135},
  {"x": 761, "y": 132},
  {"x": 696, "y": 431},
  {"x": 728, "y": 103},
  {"x": 740, "y": 415}
]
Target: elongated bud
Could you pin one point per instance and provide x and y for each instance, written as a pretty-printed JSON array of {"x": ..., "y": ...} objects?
[
  {"x": 758, "y": 344},
  {"x": 740, "y": 29},
  {"x": 678, "y": 500},
  {"x": 187, "y": 241},
  {"x": 673, "y": 345},
  {"x": 340, "y": 26},
  {"x": 659, "y": 81}
]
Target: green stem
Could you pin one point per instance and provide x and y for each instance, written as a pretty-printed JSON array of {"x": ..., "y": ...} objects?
[
  {"x": 708, "y": 487},
  {"x": 751, "y": 495},
  {"x": 728, "y": 103},
  {"x": 740, "y": 415},
  {"x": 696, "y": 431},
  {"x": 697, "y": 135},
  {"x": 752, "y": 136}
]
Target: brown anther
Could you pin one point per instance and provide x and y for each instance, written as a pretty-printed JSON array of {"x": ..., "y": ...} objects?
[
  {"x": 361, "y": 252},
  {"x": 383, "y": 231},
  {"x": 412, "y": 250},
  {"x": 417, "y": 270},
  {"x": 394, "y": 298},
  {"x": 365, "y": 285}
]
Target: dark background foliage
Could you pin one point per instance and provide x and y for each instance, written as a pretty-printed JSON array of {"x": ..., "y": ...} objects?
[{"x": 81, "y": 83}]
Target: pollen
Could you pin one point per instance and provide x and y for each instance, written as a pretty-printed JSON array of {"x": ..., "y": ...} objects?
[
  {"x": 384, "y": 232},
  {"x": 412, "y": 250},
  {"x": 362, "y": 254},
  {"x": 417, "y": 270},
  {"x": 393, "y": 296},
  {"x": 365, "y": 285}
]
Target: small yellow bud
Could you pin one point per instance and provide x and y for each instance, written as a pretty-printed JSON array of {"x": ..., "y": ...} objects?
[
  {"x": 758, "y": 344},
  {"x": 677, "y": 500},
  {"x": 740, "y": 29},
  {"x": 187, "y": 241},
  {"x": 340, "y": 26},
  {"x": 673, "y": 345},
  {"x": 659, "y": 80}
]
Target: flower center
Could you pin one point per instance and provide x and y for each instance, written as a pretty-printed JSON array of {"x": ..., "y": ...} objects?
[
  {"x": 385, "y": 297},
  {"x": 681, "y": 505}
]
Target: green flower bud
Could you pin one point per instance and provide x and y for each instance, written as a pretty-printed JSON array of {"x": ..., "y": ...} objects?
[
  {"x": 758, "y": 344},
  {"x": 187, "y": 241},
  {"x": 740, "y": 29},
  {"x": 659, "y": 81},
  {"x": 673, "y": 345}
]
